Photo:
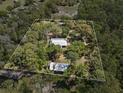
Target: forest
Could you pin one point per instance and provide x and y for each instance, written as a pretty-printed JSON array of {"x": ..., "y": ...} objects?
[{"x": 17, "y": 18}]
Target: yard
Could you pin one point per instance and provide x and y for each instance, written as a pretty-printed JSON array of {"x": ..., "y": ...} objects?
[
  {"x": 5, "y": 4},
  {"x": 45, "y": 49}
]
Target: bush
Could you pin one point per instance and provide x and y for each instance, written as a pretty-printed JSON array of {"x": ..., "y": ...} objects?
[{"x": 73, "y": 56}]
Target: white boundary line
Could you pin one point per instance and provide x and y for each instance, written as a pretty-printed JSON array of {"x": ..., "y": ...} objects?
[{"x": 98, "y": 49}]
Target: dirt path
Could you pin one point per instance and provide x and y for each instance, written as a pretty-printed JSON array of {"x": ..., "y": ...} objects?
[{"x": 82, "y": 60}]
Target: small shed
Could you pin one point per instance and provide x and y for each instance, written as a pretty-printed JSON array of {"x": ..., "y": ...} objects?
[{"x": 59, "y": 41}]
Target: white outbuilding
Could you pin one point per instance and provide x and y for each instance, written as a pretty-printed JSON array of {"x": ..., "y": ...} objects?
[{"x": 59, "y": 41}]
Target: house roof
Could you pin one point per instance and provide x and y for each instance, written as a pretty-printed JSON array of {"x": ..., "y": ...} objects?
[
  {"x": 59, "y": 41},
  {"x": 58, "y": 66}
]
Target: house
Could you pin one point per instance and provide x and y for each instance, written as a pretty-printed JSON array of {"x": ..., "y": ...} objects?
[
  {"x": 59, "y": 67},
  {"x": 59, "y": 41}
]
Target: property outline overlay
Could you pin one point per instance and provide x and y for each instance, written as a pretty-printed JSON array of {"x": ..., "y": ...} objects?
[{"x": 95, "y": 37}]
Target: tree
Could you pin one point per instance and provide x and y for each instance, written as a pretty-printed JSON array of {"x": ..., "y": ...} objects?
[
  {"x": 53, "y": 51},
  {"x": 65, "y": 31},
  {"x": 29, "y": 2},
  {"x": 31, "y": 36},
  {"x": 67, "y": 2},
  {"x": 77, "y": 47},
  {"x": 3, "y": 13},
  {"x": 22, "y": 87},
  {"x": 50, "y": 6},
  {"x": 17, "y": 4},
  {"x": 73, "y": 56},
  {"x": 9, "y": 8}
]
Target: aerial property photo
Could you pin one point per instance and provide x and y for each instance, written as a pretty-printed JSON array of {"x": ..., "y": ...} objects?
[{"x": 59, "y": 47}]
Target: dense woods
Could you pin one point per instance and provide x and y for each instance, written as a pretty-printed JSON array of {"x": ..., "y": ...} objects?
[{"x": 15, "y": 21}]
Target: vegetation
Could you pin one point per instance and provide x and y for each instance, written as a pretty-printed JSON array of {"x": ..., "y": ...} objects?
[
  {"x": 36, "y": 50},
  {"x": 107, "y": 17}
]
